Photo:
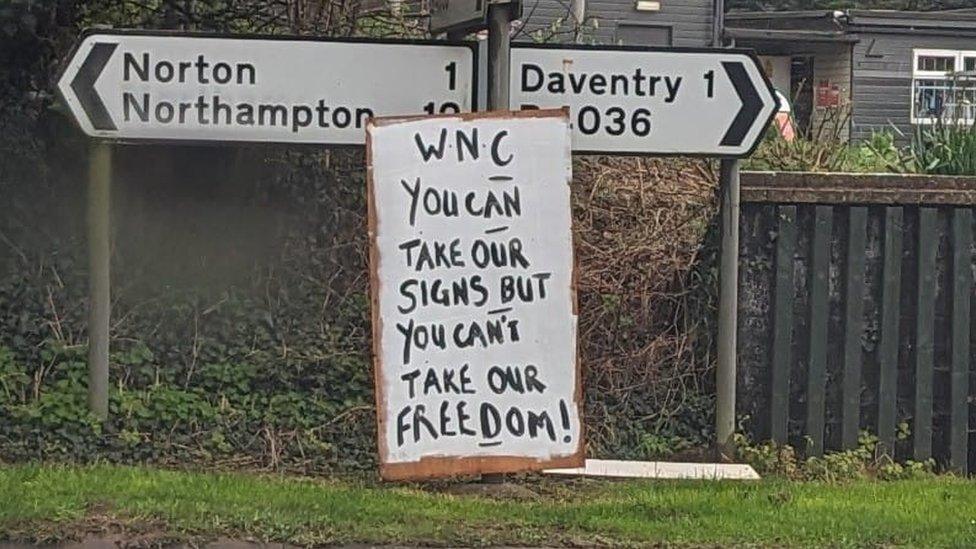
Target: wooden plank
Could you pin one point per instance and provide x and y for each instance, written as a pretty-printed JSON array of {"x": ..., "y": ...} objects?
[
  {"x": 890, "y": 314},
  {"x": 853, "y": 326},
  {"x": 962, "y": 288},
  {"x": 782, "y": 325},
  {"x": 834, "y": 188},
  {"x": 928, "y": 245},
  {"x": 817, "y": 369},
  {"x": 857, "y": 196}
]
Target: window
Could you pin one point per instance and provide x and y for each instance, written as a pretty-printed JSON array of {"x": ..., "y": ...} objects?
[
  {"x": 969, "y": 63},
  {"x": 935, "y": 63},
  {"x": 944, "y": 86}
]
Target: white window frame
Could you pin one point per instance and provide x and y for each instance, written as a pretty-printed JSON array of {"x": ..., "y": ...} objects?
[
  {"x": 954, "y": 54},
  {"x": 959, "y": 57}
]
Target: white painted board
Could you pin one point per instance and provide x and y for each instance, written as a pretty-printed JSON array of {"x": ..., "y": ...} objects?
[
  {"x": 137, "y": 86},
  {"x": 474, "y": 210},
  {"x": 611, "y": 468},
  {"x": 648, "y": 101}
]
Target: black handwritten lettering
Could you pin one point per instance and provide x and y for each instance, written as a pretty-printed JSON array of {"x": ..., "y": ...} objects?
[
  {"x": 511, "y": 379},
  {"x": 428, "y": 151},
  {"x": 491, "y": 421},
  {"x": 414, "y": 193},
  {"x": 463, "y": 274},
  {"x": 452, "y": 419},
  {"x": 485, "y": 204},
  {"x": 421, "y": 293},
  {"x": 420, "y": 337},
  {"x": 430, "y": 255},
  {"x": 524, "y": 289},
  {"x": 496, "y": 154},
  {"x": 409, "y": 377},
  {"x": 445, "y": 420},
  {"x": 495, "y": 331},
  {"x": 499, "y": 254},
  {"x": 469, "y": 143},
  {"x": 412, "y": 418}
]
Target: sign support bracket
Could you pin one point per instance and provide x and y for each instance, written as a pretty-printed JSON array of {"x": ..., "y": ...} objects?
[{"x": 99, "y": 254}]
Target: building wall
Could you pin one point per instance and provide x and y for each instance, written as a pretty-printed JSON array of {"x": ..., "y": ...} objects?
[
  {"x": 686, "y": 22},
  {"x": 832, "y": 65},
  {"x": 883, "y": 79}
]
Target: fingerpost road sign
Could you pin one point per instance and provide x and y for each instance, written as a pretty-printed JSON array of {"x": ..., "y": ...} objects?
[
  {"x": 154, "y": 86},
  {"x": 669, "y": 101}
]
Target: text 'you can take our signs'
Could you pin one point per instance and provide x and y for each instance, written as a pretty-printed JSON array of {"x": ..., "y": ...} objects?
[{"x": 473, "y": 294}]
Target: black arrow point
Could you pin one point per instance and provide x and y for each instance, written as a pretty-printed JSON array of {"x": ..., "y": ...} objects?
[
  {"x": 83, "y": 85},
  {"x": 752, "y": 104}
]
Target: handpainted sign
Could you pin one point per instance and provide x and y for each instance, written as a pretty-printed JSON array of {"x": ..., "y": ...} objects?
[
  {"x": 151, "y": 86},
  {"x": 473, "y": 293},
  {"x": 648, "y": 101}
]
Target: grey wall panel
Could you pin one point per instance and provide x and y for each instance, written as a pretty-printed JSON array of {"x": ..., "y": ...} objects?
[
  {"x": 883, "y": 78},
  {"x": 690, "y": 20}
]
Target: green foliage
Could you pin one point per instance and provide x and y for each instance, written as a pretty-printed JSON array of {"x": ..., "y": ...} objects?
[
  {"x": 939, "y": 149},
  {"x": 240, "y": 313},
  {"x": 653, "y": 446},
  {"x": 165, "y": 507},
  {"x": 944, "y": 149},
  {"x": 825, "y": 148},
  {"x": 230, "y": 413},
  {"x": 865, "y": 461},
  {"x": 768, "y": 458},
  {"x": 910, "y": 470},
  {"x": 13, "y": 379}
]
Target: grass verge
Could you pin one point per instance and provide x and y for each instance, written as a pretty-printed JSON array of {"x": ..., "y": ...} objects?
[{"x": 48, "y": 503}]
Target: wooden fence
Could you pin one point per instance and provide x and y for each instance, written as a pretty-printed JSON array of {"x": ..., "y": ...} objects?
[{"x": 856, "y": 304}]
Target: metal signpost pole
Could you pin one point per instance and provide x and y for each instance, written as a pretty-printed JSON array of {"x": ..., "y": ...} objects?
[
  {"x": 99, "y": 250},
  {"x": 727, "y": 307},
  {"x": 499, "y": 55},
  {"x": 725, "y": 370},
  {"x": 499, "y": 63}
]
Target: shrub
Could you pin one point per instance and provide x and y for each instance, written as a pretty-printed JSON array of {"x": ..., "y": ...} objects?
[
  {"x": 865, "y": 461},
  {"x": 944, "y": 149}
]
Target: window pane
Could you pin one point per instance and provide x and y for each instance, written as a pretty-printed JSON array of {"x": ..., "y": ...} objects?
[
  {"x": 930, "y": 98},
  {"x": 945, "y": 99},
  {"x": 969, "y": 64},
  {"x": 936, "y": 63}
]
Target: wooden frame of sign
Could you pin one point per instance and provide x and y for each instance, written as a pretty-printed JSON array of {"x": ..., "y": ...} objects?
[{"x": 470, "y": 228}]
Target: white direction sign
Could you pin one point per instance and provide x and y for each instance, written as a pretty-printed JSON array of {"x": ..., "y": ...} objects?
[
  {"x": 145, "y": 86},
  {"x": 646, "y": 101}
]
